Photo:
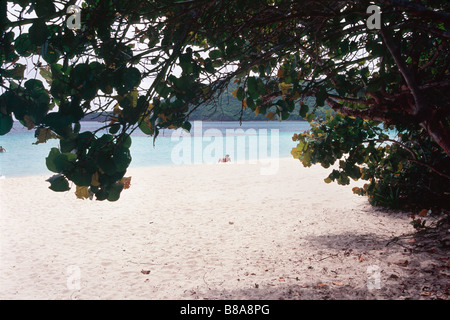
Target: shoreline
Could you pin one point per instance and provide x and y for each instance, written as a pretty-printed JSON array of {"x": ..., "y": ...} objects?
[
  {"x": 246, "y": 162},
  {"x": 209, "y": 232}
]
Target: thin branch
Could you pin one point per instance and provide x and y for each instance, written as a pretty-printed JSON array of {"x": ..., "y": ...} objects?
[
  {"x": 415, "y": 160},
  {"x": 373, "y": 113},
  {"x": 421, "y": 10},
  {"x": 420, "y": 106},
  {"x": 57, "y": 14},
  {"x": 430, "y": 167},
  {"x": 352, "y": 100}
]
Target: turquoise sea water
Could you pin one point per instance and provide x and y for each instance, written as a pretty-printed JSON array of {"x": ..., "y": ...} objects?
[{"x": 207, "y": 142}]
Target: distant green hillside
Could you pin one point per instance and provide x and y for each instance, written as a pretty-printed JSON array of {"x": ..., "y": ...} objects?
[{"x": 229, "y": 108}]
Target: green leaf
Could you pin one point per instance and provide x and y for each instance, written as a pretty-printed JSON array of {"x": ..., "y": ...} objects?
[
  {"x": 124, "y": 141},
  {"x": 6, "y": 123},
  {"x": 186, "y": 63},
  {"x": 44, "y": 8},
  {"x": 374, "y": 85},
  {"x": 51, "y": 159},
  {"x": 115, "y": 128},
  {"x": 321, "y": 96},
  {"x": 131, "y": 78},
  {"x": 38, "y": 32},
  {"x": 51, "y": 56},
  {"x": 80, "y": 73},
  {"x": 23, "y": 45},
  {"x": 59, "y": 162},
  {"x": 76, "y": 127},
  {"x": 114, "y": 192},
  {"x": 106, "y": 163},
  {"x": 46, "y": 74},
  {"x": 84, "y": 139},
  {"x": 59, "y": 183},
  {"x": 71, "y": 157},
  {"x": 37, "y": 90},
  {"x": 303, "y": 110},
  {"x": 122, "y": 158},
  {"x": 215, "y": 54},
  {"x": 81, "y": 177},
  {"x": 101, "y": 194},
  {"x": 240, "y": 94},
  {"x": 60, "y": 124},
  {"x": 146, "y": 127},
  {"x": 208, "y": 66},
  {"x": 16, "y": 73},
  {"x": 67, "y": 144},
  {"x": 186, "y": 126},
  {"x": 252, "y": 87}
]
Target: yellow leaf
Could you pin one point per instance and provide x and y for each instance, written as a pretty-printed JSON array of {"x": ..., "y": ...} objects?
[
  {"x": 284, "y": 87},
  {"x": 134, "y": 97},
  {"x": 206, "y": 90},
  {"x": 94, "y": 180},
  {"x": 117, "y": 110},
  {"x": 126, "y": 181},
  {"x": 423, "y": 213},
  {"x": 401, "y": 263},
  {"x": 244, "y": 104},
  {"x": 296, "y": 96},
  {"x": 296, "y": 153},
  {"x": 82, "y": 192},
  {"x": 270, "y": 115},
  {"x": 113, "y": 120},
  {"x": 44, "y": 135},
  {"x": 280, "y": 73},
  {"x": 257, "y": 110},
  {"x": 163, "y": 116},
  {"x": 327, "y": 180},
  {"x": 234, "y": 93},
  {"x": 29, "y": 121}
]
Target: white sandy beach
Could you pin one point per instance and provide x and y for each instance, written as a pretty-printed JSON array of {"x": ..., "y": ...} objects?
[{"x": 221, "y": 231}]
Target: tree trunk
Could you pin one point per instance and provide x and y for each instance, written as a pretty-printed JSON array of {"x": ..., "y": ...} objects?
[{"x": 438, "y": 131}]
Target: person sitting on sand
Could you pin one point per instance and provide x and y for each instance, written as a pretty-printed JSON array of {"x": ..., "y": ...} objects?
[
  {"x": 226, "y": 159},
  {"x": 2, "y": 149}
]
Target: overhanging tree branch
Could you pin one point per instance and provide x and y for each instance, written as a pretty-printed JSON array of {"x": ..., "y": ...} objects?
[
  {"x": 374, "y": 112},
  {"x": 420, "y": 106}
]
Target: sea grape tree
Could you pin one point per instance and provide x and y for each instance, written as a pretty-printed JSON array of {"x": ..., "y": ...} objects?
[{"x": 149, "y": 64}]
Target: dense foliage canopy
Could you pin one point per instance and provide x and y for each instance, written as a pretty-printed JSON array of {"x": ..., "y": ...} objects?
[{"x": 154, "y": 62}]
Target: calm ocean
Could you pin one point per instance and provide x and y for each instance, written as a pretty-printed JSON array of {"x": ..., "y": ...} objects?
[{"x": 207, "y": 142}]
